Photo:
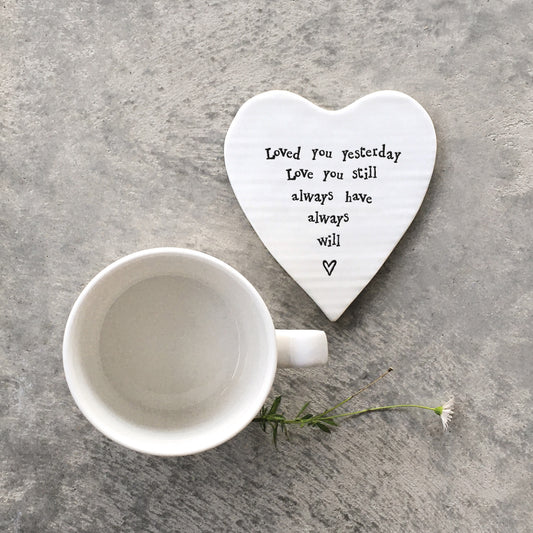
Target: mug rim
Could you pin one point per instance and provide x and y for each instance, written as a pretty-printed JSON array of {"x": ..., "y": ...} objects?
[{"x": 84, "y": 403}]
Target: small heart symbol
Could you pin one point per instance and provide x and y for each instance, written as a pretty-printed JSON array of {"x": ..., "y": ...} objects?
[
  {"x": 329, "y": 266},
  {"x": 313, "y": 181}
]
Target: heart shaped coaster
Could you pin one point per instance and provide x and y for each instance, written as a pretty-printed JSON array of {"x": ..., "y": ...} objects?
[{"x": 330, "y": 193}]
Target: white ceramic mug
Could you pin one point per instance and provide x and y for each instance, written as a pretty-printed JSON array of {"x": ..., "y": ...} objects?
[{"x": 171, "y": 352}]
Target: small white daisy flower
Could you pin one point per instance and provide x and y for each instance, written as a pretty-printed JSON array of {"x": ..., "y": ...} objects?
[{"x": 445, "y": 412}]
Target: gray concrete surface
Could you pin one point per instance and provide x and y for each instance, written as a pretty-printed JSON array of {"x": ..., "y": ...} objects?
[{"x": 113, "y": 117}]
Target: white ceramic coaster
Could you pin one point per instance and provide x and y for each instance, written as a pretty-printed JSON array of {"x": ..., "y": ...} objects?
[{"x": 330, "y": 193}]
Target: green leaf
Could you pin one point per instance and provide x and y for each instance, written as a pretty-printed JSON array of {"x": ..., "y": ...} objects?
[
  {"x": 275, "y": 405},
  {"x": 307, "y": 416},
  {"x": 302, "y": 410},
  {"x": 323, "y": 427},
  {"x": 275, "y": 434}
]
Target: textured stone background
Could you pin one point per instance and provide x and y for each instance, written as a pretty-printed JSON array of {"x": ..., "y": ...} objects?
[{"x": 113, "y": 117}]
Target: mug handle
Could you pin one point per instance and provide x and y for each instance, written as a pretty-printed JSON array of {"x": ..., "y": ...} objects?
[{"x": 301, "y": 348}]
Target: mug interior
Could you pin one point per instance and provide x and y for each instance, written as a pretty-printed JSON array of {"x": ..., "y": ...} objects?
[{"x": 169, "y": 351}]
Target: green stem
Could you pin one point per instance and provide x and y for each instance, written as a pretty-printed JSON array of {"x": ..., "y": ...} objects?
[
  {"x": 355, "y": 413},
  {"x": 324, "y": 416},
  {"x": 335, "y": 407}
]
